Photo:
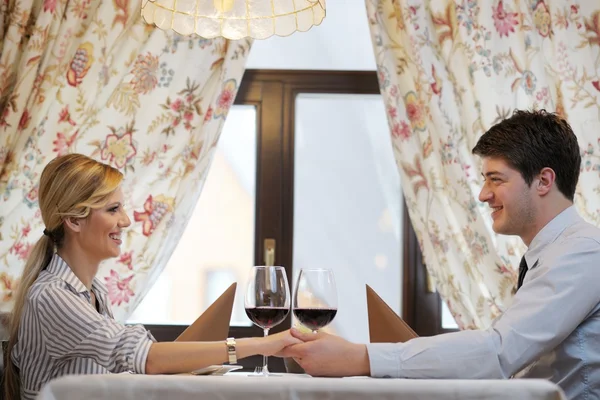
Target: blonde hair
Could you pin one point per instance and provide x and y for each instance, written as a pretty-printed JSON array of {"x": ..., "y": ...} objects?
[{"x": 70, "y": 187}]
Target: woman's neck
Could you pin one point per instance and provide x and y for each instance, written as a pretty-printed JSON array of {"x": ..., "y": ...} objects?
[{"x": 80, "y": 264}]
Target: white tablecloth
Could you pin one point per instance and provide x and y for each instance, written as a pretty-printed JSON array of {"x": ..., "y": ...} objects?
[{"x": 242, "y": 387}]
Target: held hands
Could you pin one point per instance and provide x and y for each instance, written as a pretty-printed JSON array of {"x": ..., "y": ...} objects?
[
  {"x": 321, "y": 354},
  {"x": 274, "y": 344}
]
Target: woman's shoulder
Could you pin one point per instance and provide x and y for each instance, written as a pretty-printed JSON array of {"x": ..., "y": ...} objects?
[{"x": 45, "y": 287}]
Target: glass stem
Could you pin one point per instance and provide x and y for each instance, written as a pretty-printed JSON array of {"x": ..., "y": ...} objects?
[{"x": 265, "y": 369}]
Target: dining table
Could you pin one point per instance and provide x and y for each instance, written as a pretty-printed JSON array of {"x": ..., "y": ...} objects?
[{"x": 245, "y": 386}]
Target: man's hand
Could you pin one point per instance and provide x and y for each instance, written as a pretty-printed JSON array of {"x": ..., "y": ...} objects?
[{"x": 322, "y": 354}]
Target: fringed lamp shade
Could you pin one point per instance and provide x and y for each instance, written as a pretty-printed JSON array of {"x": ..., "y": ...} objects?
[{"x": 234, "y": 19}]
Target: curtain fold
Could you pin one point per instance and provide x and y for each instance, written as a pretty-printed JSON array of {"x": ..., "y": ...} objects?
[
  {"x": 91, "y": 77},
  {"x": 449, "y": 70}
]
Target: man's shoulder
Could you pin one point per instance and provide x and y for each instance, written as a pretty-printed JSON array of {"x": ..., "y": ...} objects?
[
  {"x": 579, "y": 243},
  {"x": 581, "y": 231}
]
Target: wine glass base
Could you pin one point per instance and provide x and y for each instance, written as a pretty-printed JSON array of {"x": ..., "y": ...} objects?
[{"x": 263, "y": 372}]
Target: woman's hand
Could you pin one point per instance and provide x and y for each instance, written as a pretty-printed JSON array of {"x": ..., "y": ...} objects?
[{"x": 274, "y": 344}]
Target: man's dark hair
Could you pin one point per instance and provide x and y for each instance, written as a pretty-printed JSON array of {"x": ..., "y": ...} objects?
[{"x": 531, "y": 140}]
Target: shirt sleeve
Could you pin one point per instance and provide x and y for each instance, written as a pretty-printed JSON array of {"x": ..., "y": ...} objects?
[
  {"x": 558, "y": 294},
  {"x": 71, "y": 329}
]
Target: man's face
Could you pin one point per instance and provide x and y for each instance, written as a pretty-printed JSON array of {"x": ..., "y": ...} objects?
[{"x": 509, "y": 197}]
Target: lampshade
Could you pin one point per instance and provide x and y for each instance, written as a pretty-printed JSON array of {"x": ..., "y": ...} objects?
[{"x": 234, "y": 19}]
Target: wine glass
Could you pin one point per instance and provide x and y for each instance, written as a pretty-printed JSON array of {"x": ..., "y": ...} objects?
[
  {"x": 267, "y": 300},
  {"x": 315, "y": 299}
]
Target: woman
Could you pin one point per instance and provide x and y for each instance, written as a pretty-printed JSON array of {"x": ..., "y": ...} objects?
[{"x": 61, "y": 322}]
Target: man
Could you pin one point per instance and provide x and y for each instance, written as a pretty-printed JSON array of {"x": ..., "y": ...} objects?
[{"x": 531, "y": 164}]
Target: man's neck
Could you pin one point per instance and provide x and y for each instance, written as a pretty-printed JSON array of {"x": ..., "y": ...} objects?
[{"x": 546, "y": 213}]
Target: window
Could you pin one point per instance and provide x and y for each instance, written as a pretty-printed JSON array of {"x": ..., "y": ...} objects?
[{"x": 304, "y": 159}]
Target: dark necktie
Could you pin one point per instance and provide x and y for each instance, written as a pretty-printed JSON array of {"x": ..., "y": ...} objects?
[{"x": 522, "y": 272}]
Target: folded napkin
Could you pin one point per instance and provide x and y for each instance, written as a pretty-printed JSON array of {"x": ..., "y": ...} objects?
[
  {"x": 213, "y": 324},
  {"x": 385, "y": 326}
]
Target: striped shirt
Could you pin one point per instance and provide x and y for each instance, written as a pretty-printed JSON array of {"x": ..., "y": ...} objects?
[{"x": 62, "y": 333}]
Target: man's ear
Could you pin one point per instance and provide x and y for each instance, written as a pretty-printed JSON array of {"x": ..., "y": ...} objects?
[
  {"x": 545, "y": 181},
  {"x": 73, "y": 224}
]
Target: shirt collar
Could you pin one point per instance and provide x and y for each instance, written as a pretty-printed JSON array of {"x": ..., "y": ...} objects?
[
  {"x": 99, "y": 287},
  {"x": 61, "y": 269},
  {"x": 549, "y": 233}
]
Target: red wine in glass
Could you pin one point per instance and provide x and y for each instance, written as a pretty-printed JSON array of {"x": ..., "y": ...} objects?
[
  {"x": 267, "y": 317},
  {"x": 315, "y": 299},
  {"x": 315, "y": 318},
  {"x": 267, "y": 300}
]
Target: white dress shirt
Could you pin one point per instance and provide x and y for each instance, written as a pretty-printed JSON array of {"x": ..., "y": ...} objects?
[
  {"x": 61, "y": 333},
  {"x": 551, "y": 330}
]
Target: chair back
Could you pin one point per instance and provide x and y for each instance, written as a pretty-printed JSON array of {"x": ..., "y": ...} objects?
[{"x": 4, "y": 353}]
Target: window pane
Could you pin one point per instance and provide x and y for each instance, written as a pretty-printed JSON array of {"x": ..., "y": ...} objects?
[
  {"x": 448, "y": 321},
  {"x": 217, "y": 247},
  {"x": 348, "y": 202}
]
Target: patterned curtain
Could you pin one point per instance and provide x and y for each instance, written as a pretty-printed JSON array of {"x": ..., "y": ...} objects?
[
  {"x": 89, "y": 76},
  {"x": 449, "y": 70}
]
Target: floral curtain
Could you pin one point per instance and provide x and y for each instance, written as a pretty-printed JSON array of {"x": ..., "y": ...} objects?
[
  {"x": 89, "y": 76},
  {"x": 449, "y": 70}
]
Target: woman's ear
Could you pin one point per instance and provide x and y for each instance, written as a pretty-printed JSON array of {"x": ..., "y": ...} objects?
[{"x": 73, "y": 224}]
